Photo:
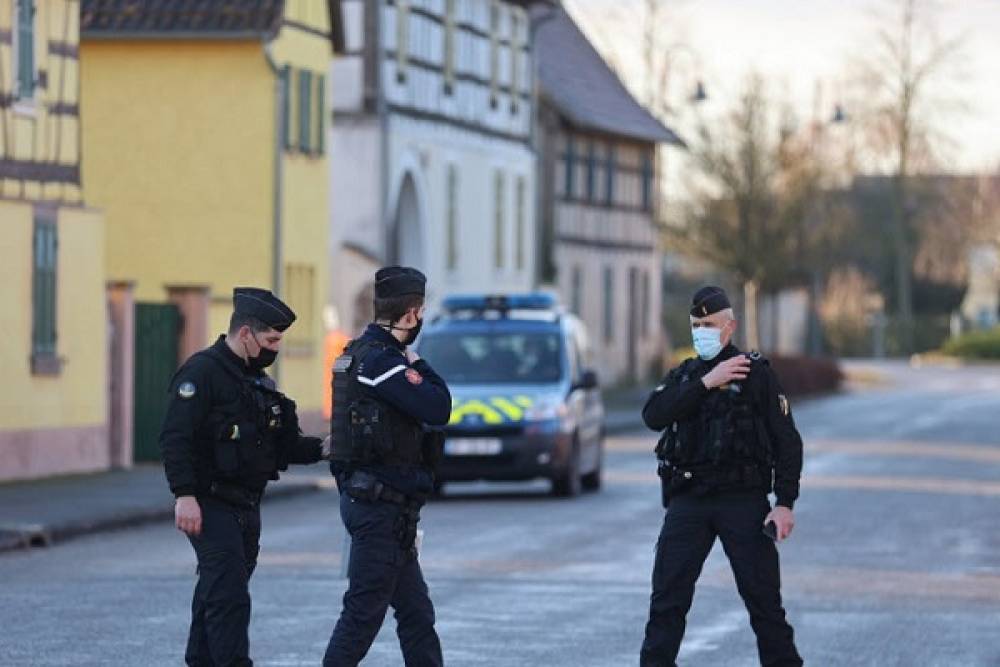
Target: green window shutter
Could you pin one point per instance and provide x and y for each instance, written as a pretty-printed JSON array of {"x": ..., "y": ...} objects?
[
  {"x": 25, "y": 48},
  {"x": 305, "y": 107},
  {"x": 286, "y": 106},
  {"x": 43, "y": 329},
  {"x": 320, "y": 114}
]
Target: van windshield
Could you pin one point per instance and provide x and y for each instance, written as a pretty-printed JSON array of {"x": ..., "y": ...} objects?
[{"x": 495, "y": 358}]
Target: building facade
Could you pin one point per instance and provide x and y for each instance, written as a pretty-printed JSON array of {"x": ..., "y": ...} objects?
[
  {"x": 433, "y": 103},
  {"x": 54, "y": 409},
  {"x": 205, "y": 129},
  {"x": 597, "y": 177}
]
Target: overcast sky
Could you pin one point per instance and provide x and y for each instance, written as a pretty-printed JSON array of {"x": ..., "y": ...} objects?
[{"x": 797, "y": 43}]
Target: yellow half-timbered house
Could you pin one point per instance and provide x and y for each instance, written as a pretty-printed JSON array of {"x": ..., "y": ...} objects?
[{"x": 54, "y": 404}]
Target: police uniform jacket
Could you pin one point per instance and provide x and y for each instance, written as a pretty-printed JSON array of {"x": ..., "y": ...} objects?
[
  {"x": 208, "y": 398},
  {"x": 683, "y": 397},
  {"x": 414, "y": 390}
]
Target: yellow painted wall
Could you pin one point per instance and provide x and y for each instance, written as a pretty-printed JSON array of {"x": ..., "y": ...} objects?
[
  {"x": 306, "y": 213},
  {"x": 78, "y": 395},
  {"x": 177, "y": 151}
]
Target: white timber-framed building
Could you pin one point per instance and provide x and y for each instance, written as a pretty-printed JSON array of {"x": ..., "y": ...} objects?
[{"x": 433, "y": 167}]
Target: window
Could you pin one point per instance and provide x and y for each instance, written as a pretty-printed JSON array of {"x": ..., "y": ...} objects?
[
  {"x": 498, "y": 220},
  {"x": 647, "y": 181},
  {"x": 23, "y": 49},
  {"x": 591, "y": 171},
  {"x": 43, "y": 292},
  {"x": 570, "y": 166},
  {"x": 300, "y": 294},
  {"x": 449, "y": 46},
  {"x": 519, "y": 224},
  {"x": 576, "y": 290},
  {"x": 451, "y": 248},
  {"x": 320, "y": 143},
  {"x": 494, "y": 53},
  {"x": 609, "y": 306},
  {"x": 609, "y": 177},
  {"x": 515, "y": 61},
  {"x": 402, "y": 38},
  {"x": 305, "y": 110}
]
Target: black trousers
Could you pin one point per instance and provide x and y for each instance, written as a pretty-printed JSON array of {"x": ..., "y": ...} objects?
[
  {"x": 382, "y": 574},
  {"x": 227, "y": 552},
  {"x": 689, "y": 530}
]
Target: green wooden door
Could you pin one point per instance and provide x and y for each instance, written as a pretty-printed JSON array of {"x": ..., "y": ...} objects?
[{"x": 156, "y": 331}]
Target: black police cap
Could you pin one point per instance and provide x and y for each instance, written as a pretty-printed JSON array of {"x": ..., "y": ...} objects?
[
  {"x": 262, "y": 305},
  {"x": 708, "y": 301},
  {"x": 393, "y": 281}
]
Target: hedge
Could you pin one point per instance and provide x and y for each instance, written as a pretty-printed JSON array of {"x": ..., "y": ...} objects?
[{"x": 975, "y": 345}]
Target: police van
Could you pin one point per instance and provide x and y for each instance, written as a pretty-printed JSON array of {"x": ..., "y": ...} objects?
[{"x": 525, "y": 399}]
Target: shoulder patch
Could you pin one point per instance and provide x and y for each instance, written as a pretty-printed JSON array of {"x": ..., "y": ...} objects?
[
  {"x": 413, "y": 376},
  {"x": 186, "y": 390},
  {"x": 783, "y": 404},
  {"x": 754, "y": 355},
  {"x": 659, "y": 388}
]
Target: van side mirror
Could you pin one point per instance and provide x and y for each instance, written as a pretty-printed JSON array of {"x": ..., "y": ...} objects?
[{"x": 588, "y": 380}]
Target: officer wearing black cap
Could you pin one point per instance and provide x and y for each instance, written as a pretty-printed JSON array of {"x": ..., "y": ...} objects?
[
  {"x": 383, "y": 455},
  {"x": 227, "y": 432},
  {"x": 728, "y": 441}
]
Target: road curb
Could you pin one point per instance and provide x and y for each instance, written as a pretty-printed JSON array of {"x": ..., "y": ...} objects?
[{"x": 15, "y": 537}]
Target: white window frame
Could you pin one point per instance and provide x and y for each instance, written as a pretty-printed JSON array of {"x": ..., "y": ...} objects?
[{"x": 22, "y": 105}]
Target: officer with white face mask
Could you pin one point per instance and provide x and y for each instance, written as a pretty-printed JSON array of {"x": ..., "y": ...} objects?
[{"x": 728, "y": 440}]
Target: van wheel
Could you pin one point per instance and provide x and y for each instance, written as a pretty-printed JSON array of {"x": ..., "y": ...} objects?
[
  {"x": 568, "y": 484},
  {"x": 592, "y": 480}
]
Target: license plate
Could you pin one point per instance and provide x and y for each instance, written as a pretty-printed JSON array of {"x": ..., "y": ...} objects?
[{"x": 473, "y": 446}]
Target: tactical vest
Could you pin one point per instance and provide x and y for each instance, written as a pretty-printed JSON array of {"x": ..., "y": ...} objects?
[
  {"x": 247, "y": 434},
  {"x": 727, "y": 432},
  {"x": 363, "y": 429}
]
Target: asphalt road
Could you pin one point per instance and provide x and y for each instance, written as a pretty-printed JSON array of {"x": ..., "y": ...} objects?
[{"x": 895, "y": 559}]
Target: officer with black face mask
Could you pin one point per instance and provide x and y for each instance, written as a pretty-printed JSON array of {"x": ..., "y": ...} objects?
[
  {"x": 227, "y": 432},
  {"x": 384, "y": 399},
  {"x": 728, "y": 440}
]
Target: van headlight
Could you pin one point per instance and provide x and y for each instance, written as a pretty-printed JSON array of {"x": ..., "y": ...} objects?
[{"x": 550, "y": 410}]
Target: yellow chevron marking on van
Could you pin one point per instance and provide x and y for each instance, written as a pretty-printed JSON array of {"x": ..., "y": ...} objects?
[
  {"x": 513, "y": 412},
  {"x": 474, "y": 407}
]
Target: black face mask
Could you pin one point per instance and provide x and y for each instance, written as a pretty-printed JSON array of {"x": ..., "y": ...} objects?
[
  {"x": 413, "y": 332},
  {"x": 263, "y": 359}
]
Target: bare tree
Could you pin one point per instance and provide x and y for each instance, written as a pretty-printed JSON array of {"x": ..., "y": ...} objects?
[
  {"x": 752, "y": 200},
  {"x": 898, "y": 79}
]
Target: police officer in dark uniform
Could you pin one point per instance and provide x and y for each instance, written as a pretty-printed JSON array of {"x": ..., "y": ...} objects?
[
  {"x": 228, "y": 431},
  {"x": 728, "y": 441},
  {"x": 383, "y": 456}
]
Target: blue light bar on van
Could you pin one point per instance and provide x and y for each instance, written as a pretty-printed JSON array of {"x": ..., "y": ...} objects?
[{"x": 500, "y": 302}]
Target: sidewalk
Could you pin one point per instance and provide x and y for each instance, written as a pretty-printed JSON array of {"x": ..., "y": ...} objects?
[{"x": 41, "y": 512}]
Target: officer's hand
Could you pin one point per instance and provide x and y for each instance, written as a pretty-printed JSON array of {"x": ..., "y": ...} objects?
[
  {"x": 727, "y": 371},
  {"x": 187, "y": 515},
  {"x": 411, "y": 356},
  {"x": 326, "y": 447},
  {"x": 783, "y": 519}
]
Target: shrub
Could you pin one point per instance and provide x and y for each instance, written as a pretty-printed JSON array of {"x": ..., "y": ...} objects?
[
  {"x": 975, "y": 345},
  {"x": 804, "y": 376}
]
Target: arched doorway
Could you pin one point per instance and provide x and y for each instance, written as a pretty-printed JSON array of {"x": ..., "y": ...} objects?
[{"x": 407, "y": 243}]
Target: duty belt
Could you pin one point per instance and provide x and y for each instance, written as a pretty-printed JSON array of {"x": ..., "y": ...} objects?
[
  {"x": 710, "y": 478},
  {"x": 367, "y": 487},
  {"x": 235, "y": 494}
]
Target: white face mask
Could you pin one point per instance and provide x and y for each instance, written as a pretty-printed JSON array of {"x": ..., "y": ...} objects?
[{"x": 707, "y": 342}]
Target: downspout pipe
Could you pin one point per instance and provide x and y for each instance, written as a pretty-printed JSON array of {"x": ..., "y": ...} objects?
[{"x": 277, "y": 180}]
